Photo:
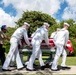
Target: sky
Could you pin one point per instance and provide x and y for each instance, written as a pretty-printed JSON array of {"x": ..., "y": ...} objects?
[{"x": 12, "y": 10}]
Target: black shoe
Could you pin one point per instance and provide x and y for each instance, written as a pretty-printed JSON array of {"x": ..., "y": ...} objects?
[
  {"x": 24, "y": 65},
  {"x": 47, "y": 66},
  {"x": 21, "y": 68},
  {"x": 65, "y": 68},
  {"x": 55, "y": 69},
  {"x": 6, "y": 70},
  {"x": 11, "y": 66},
  {"x": 42, "y": 67},
  {"x": 30, "y": 69}
]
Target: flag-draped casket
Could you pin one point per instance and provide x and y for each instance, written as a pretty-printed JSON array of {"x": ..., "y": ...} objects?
[{"x": 51, "y": 44}]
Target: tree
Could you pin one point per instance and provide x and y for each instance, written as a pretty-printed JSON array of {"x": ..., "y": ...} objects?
[{"x": 35, "y": 19}]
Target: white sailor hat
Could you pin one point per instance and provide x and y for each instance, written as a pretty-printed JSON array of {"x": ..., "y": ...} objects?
[
  {"x": 46, "y": 24},
  {"x": 25, "y": 23},
  {"x": 66, "y": 24}
]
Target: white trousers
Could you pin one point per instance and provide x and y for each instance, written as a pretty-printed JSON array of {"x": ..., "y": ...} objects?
[
  {"x": 14, "y": 57},
  {"x": 13, "y": 60},
  {"x": 35, "y": 53},
  {"x": 13, "y": 50},
  {"x": 60, "y": 50}
]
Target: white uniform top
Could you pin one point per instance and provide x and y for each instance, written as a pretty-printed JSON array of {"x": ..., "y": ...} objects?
[
  {"x": 53, "y": 34},
  {"x": 41, "y": 34},
  {"x": 20, "y": 33},
  {"x": 62, "y": 37}
]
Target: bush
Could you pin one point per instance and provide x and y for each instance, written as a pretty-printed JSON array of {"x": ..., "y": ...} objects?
[{"x": 73, "y": 40}]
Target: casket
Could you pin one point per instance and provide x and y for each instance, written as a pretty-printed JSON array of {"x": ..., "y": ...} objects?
[{"x": 51, "y": 44}]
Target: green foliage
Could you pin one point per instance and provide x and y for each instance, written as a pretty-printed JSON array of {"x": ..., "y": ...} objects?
[
  {"x": 35, "y": 19},
  {"x": 73, "y": 40},
  {"x": 72, "y": 30},
  {"x": 10, "y": 31}
]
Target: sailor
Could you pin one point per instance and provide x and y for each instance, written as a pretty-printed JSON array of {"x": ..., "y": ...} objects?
[
  {"x": 52, "y": 54},
  {"x": 14, "y": 41},
  {"x": 39, "y": 35},
  {"x": 60, "y": 41}
]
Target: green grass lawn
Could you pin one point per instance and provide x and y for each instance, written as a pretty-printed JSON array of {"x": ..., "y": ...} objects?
[{"x": 70, "y": 60}]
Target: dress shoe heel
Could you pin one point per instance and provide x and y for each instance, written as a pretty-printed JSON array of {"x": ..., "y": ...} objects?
[
  {"x": 6, "y": 70},
  {"x": 42, "y": 67},
  {"x": 21, "y": 68},
  {"x": 55, "y": 69},
  {"x": 65, "y": 68}
]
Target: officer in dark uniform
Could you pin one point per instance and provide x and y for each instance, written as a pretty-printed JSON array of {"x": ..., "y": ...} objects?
[{"x": 2, "y": 38}]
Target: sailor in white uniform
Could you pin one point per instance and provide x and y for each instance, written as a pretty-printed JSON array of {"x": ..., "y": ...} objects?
[
  {"x": 51, "y": 56},
  {"x": 14, "y": 41},
  {"x": 40, "y": 34},
  {"x": 60, "y": 41}
]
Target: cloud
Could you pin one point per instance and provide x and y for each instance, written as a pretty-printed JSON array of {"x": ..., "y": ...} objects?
[
  {"x": 50, "y": 7},
  {"x": 6, "y": 19},
  {"x": 70, "y": 11},
  {"x": 47, "y": 6}
]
